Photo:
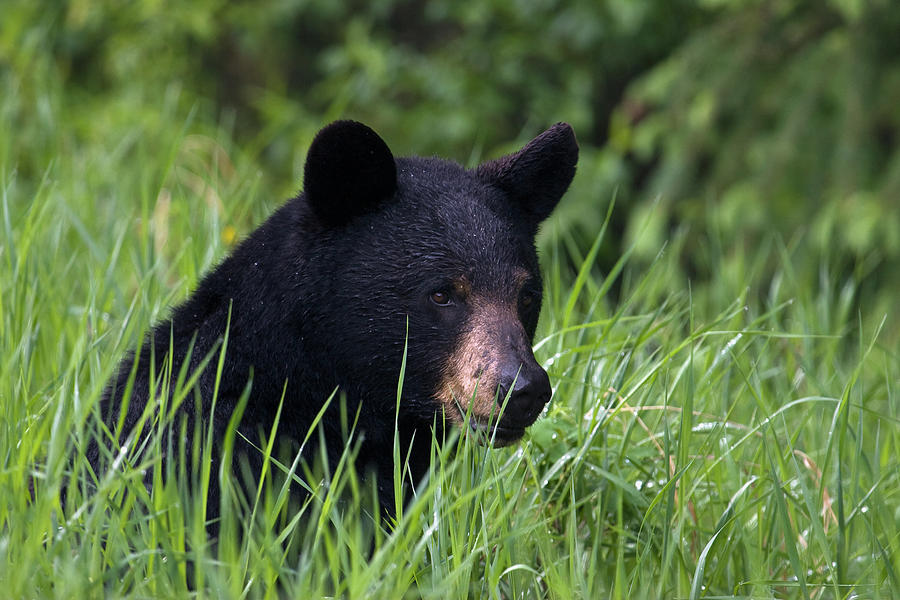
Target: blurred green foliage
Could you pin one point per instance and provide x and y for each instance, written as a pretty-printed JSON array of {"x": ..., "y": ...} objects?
[
  {"x": 736, "y": 121},
  {"x": 778, "y": 117}
]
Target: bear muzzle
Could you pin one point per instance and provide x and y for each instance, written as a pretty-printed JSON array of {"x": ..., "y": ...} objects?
[
  {"x": 492, "y": 377},
  {"x": 522, "y": 392},
  {"x": 507, "y": 398},
  {"x": 528, "y": 390}
]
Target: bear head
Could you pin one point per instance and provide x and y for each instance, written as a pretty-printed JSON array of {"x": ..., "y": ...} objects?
[{"x": 424, "y": 258}]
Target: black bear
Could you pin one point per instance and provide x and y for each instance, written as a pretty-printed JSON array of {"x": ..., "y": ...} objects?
[{"x": 378, "y": 255}]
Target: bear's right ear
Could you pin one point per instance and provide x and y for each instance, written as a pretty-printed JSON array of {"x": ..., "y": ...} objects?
[{"x": 349, "y": 171}]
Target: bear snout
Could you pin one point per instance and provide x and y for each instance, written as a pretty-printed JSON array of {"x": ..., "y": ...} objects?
[
  {"x": 528, "y": 389},
  {"x": 493, "y": 377}
]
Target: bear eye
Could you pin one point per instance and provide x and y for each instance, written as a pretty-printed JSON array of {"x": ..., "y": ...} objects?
[
  {"x": 528, "y": 299},
  {"x": 440, "y": 298}
]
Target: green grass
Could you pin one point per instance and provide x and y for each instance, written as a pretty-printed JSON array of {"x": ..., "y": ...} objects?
[{"x": 737, "y": 438}]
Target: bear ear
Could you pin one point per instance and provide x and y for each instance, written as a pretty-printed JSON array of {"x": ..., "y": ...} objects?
[
  {"x": 349, "y": 171},
  {"x": 538, "y": 175}
]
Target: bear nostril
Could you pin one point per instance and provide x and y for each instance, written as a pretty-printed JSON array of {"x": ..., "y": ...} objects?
[{"x": 530, "y": 392}]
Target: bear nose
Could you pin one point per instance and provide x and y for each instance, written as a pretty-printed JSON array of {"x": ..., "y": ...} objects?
[{"x": 530, "y": 392}]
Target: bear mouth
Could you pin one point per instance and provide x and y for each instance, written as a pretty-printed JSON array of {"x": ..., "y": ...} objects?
[{"x": 492, "y": 432}]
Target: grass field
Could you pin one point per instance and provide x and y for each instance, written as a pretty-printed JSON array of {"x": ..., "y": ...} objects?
[{"x": 734, "y": 438}]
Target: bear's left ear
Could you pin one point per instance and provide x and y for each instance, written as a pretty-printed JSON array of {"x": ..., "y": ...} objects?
[
  {"x": 349, "y": 171},
  {"x": 539, "y": 174}
]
